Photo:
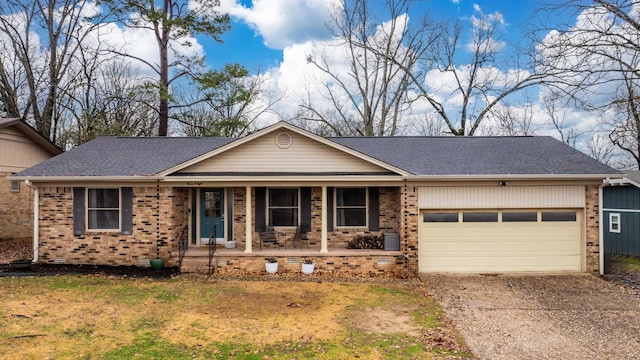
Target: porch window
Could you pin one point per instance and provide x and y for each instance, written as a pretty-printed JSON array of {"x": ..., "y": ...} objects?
[
  {"x": 351, "y": 207},
  {"x": 283, "y": 207},
  {"x": 103, "y": 209}
]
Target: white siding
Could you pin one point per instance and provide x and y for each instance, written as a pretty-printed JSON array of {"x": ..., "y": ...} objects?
[
  {"x": 486, "y": 197},
  {"x": 18, "y": 152},
  {"x": 304, "y": 155}
]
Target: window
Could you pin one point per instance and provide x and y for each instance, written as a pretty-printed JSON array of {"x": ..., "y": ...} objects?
[
  {"x": 351, "y": 206},
  {"x": 283, "y": 207},
  {"x": 480, "y": 217},
  {"x": 559, "y": 216},
  {"x": 15, "y": 186},
  {"x": 520, "y": 216},
  {"x": 103, "y": 209},
  {"x": 440, "y": 217},
  {"x": 614, "y": 222}
]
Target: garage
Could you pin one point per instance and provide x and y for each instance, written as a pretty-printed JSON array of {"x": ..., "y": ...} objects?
[{"x": 510, "y": 237}]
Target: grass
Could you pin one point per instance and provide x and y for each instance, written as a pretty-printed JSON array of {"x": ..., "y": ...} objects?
[
  {"x": 627, "y": 263},
  {"x": 97, "y": 317}
]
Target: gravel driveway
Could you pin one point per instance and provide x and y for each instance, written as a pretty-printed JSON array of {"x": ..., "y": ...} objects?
[{"x": 576, "y": 316}]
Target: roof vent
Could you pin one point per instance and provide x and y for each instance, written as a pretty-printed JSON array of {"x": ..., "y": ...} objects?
[{"x": 283, "y": 140}]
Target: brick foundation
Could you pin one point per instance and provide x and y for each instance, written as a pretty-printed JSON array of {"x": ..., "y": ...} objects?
[{"x": 366, "y": 264}]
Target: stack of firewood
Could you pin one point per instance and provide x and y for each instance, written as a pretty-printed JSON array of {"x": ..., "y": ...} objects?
[{"x": 366, "y": 242}]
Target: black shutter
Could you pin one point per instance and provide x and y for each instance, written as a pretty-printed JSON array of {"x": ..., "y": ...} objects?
[
  {"x": 305, "y": 207},
  {"x": 329, "y": 209},
  {"x": 127, "y": 211},
  {"x": 260, "y": 206},
  {"x": 374, "y": 209},
  {"x": 78, "y": 211}
]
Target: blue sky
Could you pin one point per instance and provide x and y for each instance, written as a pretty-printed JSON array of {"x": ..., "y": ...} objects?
[{"x": 245, "y": 44}]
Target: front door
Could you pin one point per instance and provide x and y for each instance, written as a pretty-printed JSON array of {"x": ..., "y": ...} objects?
[{"x": 211, "y": 215}]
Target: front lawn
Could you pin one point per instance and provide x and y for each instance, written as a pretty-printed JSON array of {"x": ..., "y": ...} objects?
[{"x": 101, "y": 317}]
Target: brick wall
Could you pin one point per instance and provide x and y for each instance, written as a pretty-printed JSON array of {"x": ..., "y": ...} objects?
[
  {"x": 388, "y": 219},
  {"x": 409, "y": 228},
  {"x": 113, "y": 248},
  {"x": 16, "y": 210},
  {"x": 592, "y": 230}
]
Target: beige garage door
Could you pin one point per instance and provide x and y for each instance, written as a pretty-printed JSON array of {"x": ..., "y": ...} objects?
[{"x": 500, "y": 240}]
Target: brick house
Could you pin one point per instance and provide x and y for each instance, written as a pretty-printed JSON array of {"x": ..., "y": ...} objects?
[
  {"x": 21, "y": 147},
  {"x": 444, "y": 204}
]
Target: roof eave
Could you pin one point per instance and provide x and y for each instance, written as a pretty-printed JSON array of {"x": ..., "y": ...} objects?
[
  {"x": 37, "y": 179},
  {"x": 294, "y": 178},
  {"x": 474, "y": 177},
  {"x": 34, "y": 135}
]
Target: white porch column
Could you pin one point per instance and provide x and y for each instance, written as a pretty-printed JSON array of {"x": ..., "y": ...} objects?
[
  {"x": 248, "y": 231},
  {"x": 323, "y": 233}
]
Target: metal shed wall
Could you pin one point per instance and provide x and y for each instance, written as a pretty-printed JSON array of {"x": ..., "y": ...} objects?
[{"x": 623, "y": 200}]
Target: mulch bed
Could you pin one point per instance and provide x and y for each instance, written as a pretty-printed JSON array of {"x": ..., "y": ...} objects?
[{"x": 60, "y": 269}]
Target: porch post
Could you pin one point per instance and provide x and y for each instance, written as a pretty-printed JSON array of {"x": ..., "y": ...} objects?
[
  {"x": 323, "y": 233},
  {"x": 248, "y": 233}
]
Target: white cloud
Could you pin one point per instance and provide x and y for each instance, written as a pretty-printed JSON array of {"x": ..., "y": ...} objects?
[
  {"x": 282, "y": 23},
  {"x": 141, "y": 43}
]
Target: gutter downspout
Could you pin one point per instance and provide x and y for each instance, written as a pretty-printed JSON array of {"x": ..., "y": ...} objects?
[
  {"x": 36, "y": 218},
  {"x": 600, "y": 225}
]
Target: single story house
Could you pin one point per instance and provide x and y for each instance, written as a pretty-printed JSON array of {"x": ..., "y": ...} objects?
[
  {"x": 21, "y": 146},
  {"x": 621, "y": 222},
  {"x": 454, "y": 204}
]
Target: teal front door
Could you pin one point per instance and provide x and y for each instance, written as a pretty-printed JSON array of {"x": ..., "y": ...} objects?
[{"x": 212, "y": 215}]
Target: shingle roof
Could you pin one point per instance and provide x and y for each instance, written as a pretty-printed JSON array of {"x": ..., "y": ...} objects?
[
  {"x": 137, "y": 156},
  {"x": 634, "y": 176},
  {"x": 125, "y": 156},
  {"x": 478, "y": 155}
]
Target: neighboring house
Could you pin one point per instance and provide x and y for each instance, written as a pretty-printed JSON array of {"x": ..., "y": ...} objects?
[
  {"x": 21, "y": 146},
  {"x": 621, "y": 222},
  {"x": 456, "y": 204}
]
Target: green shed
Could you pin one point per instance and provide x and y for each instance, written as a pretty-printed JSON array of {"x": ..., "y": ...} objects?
[{"x": 621, "y": 216}]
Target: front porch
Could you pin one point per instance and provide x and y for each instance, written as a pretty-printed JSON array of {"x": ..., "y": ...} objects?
[{"x": 342, "y": 261}]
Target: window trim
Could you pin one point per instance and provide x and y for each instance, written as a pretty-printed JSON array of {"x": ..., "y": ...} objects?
[
  {"x": 15, "y": 186},
  {"x": 87, "y": 210},
  {"x": 611, "y": 223},
  {"x": 268, "y": 207},
  {"x": 336, "y": 207}
]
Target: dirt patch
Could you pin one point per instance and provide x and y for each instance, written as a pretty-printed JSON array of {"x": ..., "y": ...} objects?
[{"x": 384, "y": 321}]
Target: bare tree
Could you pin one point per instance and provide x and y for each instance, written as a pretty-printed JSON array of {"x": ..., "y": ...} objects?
[
  {"x": 40, "y": 40},
  {"x": 432, "y": 64},
  {"x": 368, "y": 95},
  {"x": 512, "y": 120},
  {"x": 596, "y": 62},
  {"x": 109, "y": 99},
  {"x": 171, "y": 21}
]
